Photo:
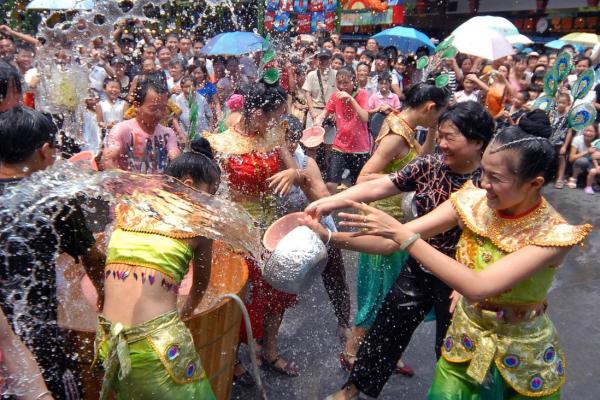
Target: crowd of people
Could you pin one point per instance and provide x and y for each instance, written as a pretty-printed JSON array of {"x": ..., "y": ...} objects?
[{"x": 157, "y": 105}]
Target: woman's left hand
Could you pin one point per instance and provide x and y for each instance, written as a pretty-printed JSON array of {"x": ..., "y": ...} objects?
[
  {"x": 371, "y": 221},
  {"x": 282, "y": 182}
]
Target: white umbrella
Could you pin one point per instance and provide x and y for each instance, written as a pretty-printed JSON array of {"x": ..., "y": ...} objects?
[
  {"x": 484, "y": 43},
  {"x": 518, "y": 39},
  {"x": 498, "y": 24},
  {"x": 61, "y": 5}
]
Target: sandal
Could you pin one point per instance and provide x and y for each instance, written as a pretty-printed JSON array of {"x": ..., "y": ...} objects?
[
  {"x": 347, "y": 361},
  {"x": 288, "y": 369},
  {"x": 404, "y": 369},
  {"x": 572, "y": 184},
  {"x": 559, "y": 185},
  {"x": 244, "y": 379}
]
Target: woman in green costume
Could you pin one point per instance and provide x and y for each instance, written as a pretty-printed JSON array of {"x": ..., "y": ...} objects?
[
  {"x": 501, "y": 343},
  {"x": 146, "y": 350},
  {"x": 396, "y": 147}
]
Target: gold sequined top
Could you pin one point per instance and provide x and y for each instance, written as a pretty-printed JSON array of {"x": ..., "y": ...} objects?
[{"x": 543, "y": 227}]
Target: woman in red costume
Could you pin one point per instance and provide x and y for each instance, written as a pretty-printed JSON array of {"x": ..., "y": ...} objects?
[{"x": 251, "y": 152}]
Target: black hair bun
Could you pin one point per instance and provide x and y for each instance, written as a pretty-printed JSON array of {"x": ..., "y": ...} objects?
[
  {"x": 536, "y": 123},
  {"x": 202, "y": 146}
]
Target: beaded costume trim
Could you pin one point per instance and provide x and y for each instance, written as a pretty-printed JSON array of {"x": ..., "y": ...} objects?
[
  {"x": 396, "y": 125},
  {"x": 543, "y": 227}
]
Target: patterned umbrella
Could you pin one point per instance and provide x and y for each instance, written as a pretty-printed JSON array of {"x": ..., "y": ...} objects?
[
  {"x": 61, "y": 5},
  {"x": 233, "y": 44}
]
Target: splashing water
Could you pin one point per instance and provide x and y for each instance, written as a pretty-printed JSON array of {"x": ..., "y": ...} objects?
[{"x": 31, "y": 207}]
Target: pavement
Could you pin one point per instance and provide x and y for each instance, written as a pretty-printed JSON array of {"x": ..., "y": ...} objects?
[{"x": 308, "y": 333}]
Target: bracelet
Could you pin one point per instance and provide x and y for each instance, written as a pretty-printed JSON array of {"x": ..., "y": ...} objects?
[
  {"x": 43, "y": 394},
  {"x": 329, "y": 233},
  {"x": 405, "y": 244}
]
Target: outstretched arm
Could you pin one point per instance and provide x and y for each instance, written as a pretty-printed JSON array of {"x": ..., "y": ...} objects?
[{"x": 475, "y": 285}]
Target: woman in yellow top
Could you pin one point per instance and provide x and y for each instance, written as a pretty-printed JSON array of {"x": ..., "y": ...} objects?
[
  {"x": 501, "y": 343},
  {"x": 146, "y": 350}
]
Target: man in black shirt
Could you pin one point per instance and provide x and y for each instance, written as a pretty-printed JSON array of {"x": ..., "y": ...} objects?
[{"x": 30, "y": 239}]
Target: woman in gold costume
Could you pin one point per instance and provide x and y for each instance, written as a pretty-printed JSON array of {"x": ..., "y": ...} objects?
[
  {"x": 501, "y": 343},
  {"x": 146, "y": 350}
]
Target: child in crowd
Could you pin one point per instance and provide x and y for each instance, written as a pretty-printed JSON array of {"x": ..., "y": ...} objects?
[
  {"x": 111, "y": 111},
  {"x": 196, "y": 115},
  {"x": 512, "y": 113},
  {"x": 90, "y": 135},
  {"x": 352, "y": 143},
  {"x": 384, "y": 101},
  {"x": 584, "y": 157},
  {"x": 472, "y": 87},
  {"x": 561, "y": 136}
]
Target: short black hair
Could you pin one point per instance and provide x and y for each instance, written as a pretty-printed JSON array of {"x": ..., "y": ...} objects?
[
  {"x": 368, "y": 54},
  {"x": 384, "y": 77},
  {"x": 382, "y": 55},
  {"x": 8, "y": 75},
  {"x": 338, "y": 57},
  {"x": 23, "y": 131},
  {"x": 472, "y": 120},
  {"x": 155, "y": 82}
]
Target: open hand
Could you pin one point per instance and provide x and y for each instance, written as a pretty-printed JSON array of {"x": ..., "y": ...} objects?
[
  {"x": 371, "y": 221},
  {"x": 315, "y": 224},
  {"x": 282, "y": 182}
]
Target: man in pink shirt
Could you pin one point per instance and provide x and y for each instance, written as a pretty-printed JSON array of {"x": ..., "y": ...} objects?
[
  {"x": 142, "y": 144},
  {"x": 352, "y": 143},
  {"x": 384, "y": 100}
]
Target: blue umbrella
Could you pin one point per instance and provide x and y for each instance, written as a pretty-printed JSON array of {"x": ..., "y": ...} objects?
[
  {"x": 406, "y": 40},
  {"x": 559, "y": 43},
  {"x": 233, "y": 44},
  {"x": 61, "y": 5}
]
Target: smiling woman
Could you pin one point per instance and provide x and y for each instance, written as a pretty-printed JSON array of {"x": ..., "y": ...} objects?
[{"x": 506, "y": 258}]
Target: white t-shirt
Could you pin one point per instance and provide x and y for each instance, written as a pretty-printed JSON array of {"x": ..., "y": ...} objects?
[
  {"x": 579, "y": 143},
  {"x": 112, "y": 112},
  {"x": 90, "y": 132},
  {"x": 461, "y": 96}
]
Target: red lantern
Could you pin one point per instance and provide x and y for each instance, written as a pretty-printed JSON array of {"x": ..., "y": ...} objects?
[
  {"x": 592, "y": 3},
  {"x": 420, "y": 6}
]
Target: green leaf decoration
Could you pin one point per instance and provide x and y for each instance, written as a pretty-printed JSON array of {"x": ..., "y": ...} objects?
[
  {"x": 422, "y": 62},
  {"x": 271, "y": 76},
  {"x": 584, "y": 84},
  {"x": 445, "y": 44},
  {"x": 581, "y": 116},
  {"x": 450, "y": 52},
  {"x": 268, "y": 56},
  {"x": 442, "y": 81},
  {"x": 266, "y": 43}
]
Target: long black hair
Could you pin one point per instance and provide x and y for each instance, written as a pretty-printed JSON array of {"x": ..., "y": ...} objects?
[
  {"x": 198, "y": 163},
  {"x": 529, "y": 139}
]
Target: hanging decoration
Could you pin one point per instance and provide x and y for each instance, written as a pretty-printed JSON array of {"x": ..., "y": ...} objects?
[{"x": 303, "y": 16}]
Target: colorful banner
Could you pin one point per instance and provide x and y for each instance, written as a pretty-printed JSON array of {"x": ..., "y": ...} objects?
[
  {"x": 269, "y": 20},
  {"x": 300, "y": 6},
  {"x": 315, "y": 6},
  {"x": 271, "y": 5},
  {"x": 318, "y": 20},
  {"x": 370, "y": 5},
  {"x": 282, "y": 20},
  {"x": 303, "y": 23},
  {"x": 330, "y": 5},
  {"x": 367, "y": 18},
  {"x": 330, "y": 21},
  {"x": 286, "y": 5}
]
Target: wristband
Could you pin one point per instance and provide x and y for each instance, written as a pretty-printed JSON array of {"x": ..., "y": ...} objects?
[{"x": 405, "y": 244}]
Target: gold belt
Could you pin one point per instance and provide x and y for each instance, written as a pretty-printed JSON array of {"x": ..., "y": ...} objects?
[{"x": 509, "y": 313}]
